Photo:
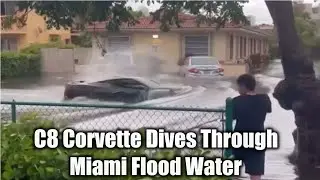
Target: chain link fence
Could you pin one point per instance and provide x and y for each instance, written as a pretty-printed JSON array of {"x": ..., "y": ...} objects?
[{"x": 101, "y": 117}]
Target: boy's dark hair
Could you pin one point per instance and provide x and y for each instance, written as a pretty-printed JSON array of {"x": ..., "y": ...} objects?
[{"x": 247, "y": 81}]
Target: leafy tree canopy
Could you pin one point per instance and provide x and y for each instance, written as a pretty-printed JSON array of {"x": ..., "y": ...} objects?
[
  {"x": 306, "y": 27},
  {"x": 64, "y": 14},
  {"x": 83, "y": 40},
  {"x": 137, "y": 14}
]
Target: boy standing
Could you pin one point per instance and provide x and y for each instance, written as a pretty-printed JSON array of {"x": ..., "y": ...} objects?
[{"x": 250, "y": 110}]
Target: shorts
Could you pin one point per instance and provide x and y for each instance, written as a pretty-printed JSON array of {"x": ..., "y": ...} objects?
[{"x": 253, "y": 161}]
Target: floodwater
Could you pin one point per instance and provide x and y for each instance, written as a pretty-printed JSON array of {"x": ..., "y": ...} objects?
[{"x": 212, "y": 94}]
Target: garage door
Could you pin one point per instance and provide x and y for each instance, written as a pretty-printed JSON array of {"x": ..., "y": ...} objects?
[
  {"x": 119, "y": 50},
  {"x": 118, "y": 43},
  {"x": 197, "y": 45}
]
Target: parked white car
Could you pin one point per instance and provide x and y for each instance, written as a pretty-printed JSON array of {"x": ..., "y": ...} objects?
[{"x": 201, "y": 66}]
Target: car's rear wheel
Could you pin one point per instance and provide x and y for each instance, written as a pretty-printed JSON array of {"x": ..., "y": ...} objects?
[
  {"x": 122, "y": 97},
  {"x": 132, "y": 98},
  {"x": 141, "y": 96}
]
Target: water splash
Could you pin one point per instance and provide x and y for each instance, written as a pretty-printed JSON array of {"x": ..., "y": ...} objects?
[{"x": 120, "y": 62}]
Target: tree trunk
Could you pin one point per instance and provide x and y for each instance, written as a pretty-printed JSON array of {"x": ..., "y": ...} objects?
[{"x": 299, "y": 91}]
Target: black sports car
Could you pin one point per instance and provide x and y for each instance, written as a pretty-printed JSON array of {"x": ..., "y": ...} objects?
[{"x": 128, "y": 90}]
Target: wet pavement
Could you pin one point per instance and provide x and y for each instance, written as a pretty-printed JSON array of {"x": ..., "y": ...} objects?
[{"x": 50, "y": 88}]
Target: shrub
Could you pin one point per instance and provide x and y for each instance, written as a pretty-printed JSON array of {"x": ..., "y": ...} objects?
[
  {"x": 84, "y": 40},
  {"x": 255, "y": 60},
  {"x": 36, "y": 48},
  {"x": 258, "y": 62},
  {"x": 20, "y": 160},
  {"x": 19, "y": 64}
]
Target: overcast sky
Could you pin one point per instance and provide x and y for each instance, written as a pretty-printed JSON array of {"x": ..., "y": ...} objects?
[{"x": 255, "y": 8}]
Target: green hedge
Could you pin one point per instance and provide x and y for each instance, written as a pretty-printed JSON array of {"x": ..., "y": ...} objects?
[
  {"x": 20, "y": 160},
  {"x": 19, "y": 64},
  {"x": 27, "y": 62}
]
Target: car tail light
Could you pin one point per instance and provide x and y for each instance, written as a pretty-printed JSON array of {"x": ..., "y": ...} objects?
[
  {"x": 193, "y": 70},
  {"x": 220, "y": 70}
]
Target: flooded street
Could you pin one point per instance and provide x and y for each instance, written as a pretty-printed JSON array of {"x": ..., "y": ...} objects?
[{"x": 212, "y": 94}]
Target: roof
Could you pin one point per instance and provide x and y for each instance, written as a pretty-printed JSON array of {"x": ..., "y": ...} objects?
[
  {"x": 265, "y": 25},
  {"x": 188, "y": 22}
]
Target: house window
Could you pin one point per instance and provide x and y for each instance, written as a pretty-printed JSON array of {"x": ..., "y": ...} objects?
[
  {"x": 9, "y": 44},
  {"x": 3, "y": 9},
  {"x": 54, "y": 38},
  {"x": 231, "y": 47},
  {"x": 7, "y": 8},
  {"x": 197, "y": 45}
]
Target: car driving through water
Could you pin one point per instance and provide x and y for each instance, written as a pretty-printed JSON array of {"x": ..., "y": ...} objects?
[
  {"x": 120, "y": 89},
  {"x": 201, "y": 66}
]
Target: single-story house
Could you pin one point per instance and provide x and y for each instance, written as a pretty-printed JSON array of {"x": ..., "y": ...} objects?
[{"x": 229, "y": 44}]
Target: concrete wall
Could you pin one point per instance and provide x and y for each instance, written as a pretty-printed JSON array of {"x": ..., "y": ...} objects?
[
  {"x": 83, "y": 55},
  {"x": 62, "y": 60},
  {"x": 220, "y": 42},
  {"x": 57, "y": 60}
]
